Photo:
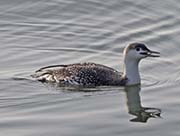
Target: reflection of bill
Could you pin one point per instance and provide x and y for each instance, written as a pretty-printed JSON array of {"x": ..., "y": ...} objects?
[{"x": 135, "y": 108}]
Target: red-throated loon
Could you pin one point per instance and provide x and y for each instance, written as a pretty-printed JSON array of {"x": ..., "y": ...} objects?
[{"x": 91, "y": 74}]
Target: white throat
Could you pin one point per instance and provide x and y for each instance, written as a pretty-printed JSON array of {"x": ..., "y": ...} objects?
[{"x": 131, "y": 71}]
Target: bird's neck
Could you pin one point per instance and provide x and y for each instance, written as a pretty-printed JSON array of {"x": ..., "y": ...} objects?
[{"x": 131, "y": 72}]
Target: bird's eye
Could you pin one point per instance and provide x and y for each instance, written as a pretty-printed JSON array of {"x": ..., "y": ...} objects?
[{"x": 137, "y": 49}]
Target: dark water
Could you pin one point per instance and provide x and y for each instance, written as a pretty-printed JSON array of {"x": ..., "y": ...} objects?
[{"x": 36, "y": 33}]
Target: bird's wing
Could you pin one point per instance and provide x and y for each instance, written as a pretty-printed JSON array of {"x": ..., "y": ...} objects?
[{"x": 78, "y": 72}]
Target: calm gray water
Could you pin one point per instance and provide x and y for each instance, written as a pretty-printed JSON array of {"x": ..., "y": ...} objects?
[{"x": 36, "y": 33}]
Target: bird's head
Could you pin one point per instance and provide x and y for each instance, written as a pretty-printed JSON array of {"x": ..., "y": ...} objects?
[{"x": 138, "y": 51}]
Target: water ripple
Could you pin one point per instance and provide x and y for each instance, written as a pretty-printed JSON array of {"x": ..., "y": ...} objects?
[{"x": 38, "y": 33}]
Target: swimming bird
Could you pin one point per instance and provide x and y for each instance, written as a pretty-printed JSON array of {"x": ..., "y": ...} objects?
[{"x": 92, "y": 74}]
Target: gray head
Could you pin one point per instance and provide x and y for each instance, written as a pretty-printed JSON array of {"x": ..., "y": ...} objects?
[{"x": 138, "y": 51}]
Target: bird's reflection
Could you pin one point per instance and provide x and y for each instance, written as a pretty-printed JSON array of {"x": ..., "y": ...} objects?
[{"x": 135, "y": 108}]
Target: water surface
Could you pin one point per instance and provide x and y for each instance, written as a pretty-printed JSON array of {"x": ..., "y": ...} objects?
[{"x": 36, "y": 33}]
